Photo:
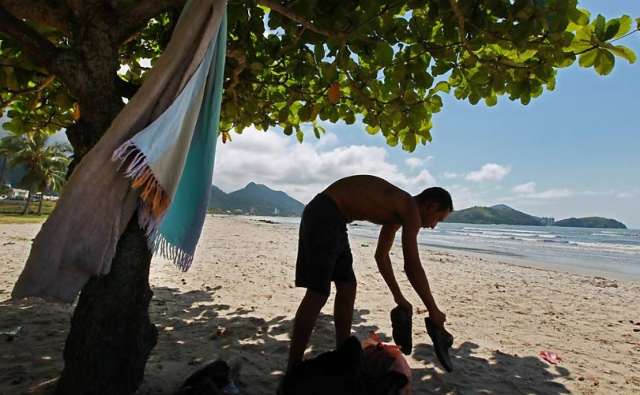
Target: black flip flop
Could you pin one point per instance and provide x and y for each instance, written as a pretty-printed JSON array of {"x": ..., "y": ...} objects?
[
  {"x": 442, "y": 342},
  {"x": 401, "y": 329}
]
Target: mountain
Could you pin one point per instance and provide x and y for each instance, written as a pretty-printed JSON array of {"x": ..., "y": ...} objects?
[
  {"x": 591, "y": 222},
  {"x": 220, "y": 199},
  {"x": 255, "y": 199},
  {"x": 504, "y": 215},
  {"x": 499, "y": 215}
]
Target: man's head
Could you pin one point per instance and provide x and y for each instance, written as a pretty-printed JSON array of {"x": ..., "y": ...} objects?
[{"x": 435, "y": 205}]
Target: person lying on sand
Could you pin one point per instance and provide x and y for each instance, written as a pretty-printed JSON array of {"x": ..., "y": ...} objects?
[{"x": 324, "y": 254}]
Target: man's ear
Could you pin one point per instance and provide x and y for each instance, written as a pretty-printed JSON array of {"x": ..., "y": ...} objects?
[{"x": 430, "y": 206}]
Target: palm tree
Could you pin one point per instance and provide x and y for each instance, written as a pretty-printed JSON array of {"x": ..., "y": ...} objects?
[{"x": 46, "y": 164}]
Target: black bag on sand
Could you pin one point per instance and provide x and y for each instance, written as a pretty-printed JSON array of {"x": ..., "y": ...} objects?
[
  {"x": 346, "y": 371},
  {"x": 214, "y": 378}
]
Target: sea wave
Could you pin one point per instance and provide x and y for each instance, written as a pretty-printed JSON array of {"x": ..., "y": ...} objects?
[
  {"x": 607, "y": 246},
  {"x": 504, "y": 230}
]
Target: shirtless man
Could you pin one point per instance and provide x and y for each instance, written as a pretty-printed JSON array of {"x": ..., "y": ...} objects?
[{"x": 324, "y": 254}]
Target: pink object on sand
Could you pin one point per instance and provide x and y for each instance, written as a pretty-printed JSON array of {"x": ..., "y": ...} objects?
[
  {"x": 399, "y": 365},
  {"x": 550, "y": 357}
]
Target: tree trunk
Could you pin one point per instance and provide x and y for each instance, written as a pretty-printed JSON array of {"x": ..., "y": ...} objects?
[
  {"x": 111, "y": 335},
  {"x": 2, "y": 169},
  {"x": 40, "y": 204},
  {"x": 25, "y": 210}
]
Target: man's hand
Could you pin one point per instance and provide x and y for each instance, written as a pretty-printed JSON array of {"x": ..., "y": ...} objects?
[
  {"x": 438, "y": 317},
  {"x": 405, "y": 305}
]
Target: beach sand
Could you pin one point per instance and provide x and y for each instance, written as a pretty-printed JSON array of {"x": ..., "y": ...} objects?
[{"x": 238, "y": 300}]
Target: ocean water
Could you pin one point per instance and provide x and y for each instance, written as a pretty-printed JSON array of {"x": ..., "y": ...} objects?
[{"x": 611, "y": 252}]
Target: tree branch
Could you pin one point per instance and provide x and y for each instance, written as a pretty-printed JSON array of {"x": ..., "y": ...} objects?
[
  {"x": 134, "y": 18},
  {"x": 38, "y": 47},
  {"x": 53, "y": 13},
  {"x": 284, "y": 11},
  {"x": 59, "y": 62}
]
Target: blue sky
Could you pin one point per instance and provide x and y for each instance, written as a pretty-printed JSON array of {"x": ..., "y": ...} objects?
[{"x": 572, "y": 152}]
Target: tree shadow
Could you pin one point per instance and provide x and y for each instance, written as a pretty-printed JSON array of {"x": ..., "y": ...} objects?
[
  {"x": 261, "y": 345},
  {"x": 194, "y": 329},
  {"x": 502, "y": 373}
]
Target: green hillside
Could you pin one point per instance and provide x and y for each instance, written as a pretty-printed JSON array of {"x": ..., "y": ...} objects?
[
  {"x": 591, "y": 222},
  {"x": 496, "y": 215}
]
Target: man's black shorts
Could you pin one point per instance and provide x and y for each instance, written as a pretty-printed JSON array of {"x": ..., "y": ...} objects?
[{"x": 324, "y": 254}]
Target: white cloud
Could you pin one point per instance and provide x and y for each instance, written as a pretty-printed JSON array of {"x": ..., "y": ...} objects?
[
  {"x": 552, "y": 194},
  {"x": 529, "y": 187},
  {"x": 489, "y": 172},
  {"x": 450, "y": 175},
  {"x": 462, "y": 197},
  {"x": 528, "y": 191},
  {"x": 415, "y": 162},
  {"x": 326, "y": 140},
  {"x": 625, "y": 195},
  {"x": 303, "y": 170}
]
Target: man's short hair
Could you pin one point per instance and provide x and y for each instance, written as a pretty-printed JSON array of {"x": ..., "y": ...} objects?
[{"x": 437, "y": 195}]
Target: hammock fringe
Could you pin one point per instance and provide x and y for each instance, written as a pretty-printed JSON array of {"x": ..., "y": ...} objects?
[{"x": 154, "y": 203}]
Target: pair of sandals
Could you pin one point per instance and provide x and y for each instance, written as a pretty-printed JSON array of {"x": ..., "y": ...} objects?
[{"x": 402, "y": 335}]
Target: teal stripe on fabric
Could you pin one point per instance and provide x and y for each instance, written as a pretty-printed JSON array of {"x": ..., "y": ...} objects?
[{"x": 181, "y": 226}]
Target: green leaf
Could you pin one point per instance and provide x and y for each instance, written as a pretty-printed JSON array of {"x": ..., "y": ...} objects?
[
  {"x": 567, "y": 60},
  {"x": 288, "y": 130},
  {"x": 372, "y": 129},
  {"x": 283, "y": 115},
  {"x": 384, "y": 53},
  {"x": 318, "y": 52},
  {"x": 625, "y": 53},
  {"x": 599, "y": 27},
  {"x": 392, "y": 140},
  {"x": 442, "y": 86},
  {"x": 604, "y": 62},
  {"x": 304, "y": 113},
  {"x": 611, "y": 30},
  {"x": 491, "y": 100},
  {"x": 409, "y": 142},
  {"x": 625, "y": 26},
  {"x": 349, "y": 118},
  {"x": 579, "y": 17},
  {"x": 329, "y": 72},
  {"x": 299, "y": 135},
  {"x": 587, "y": 59},
  {"x": 318, "y": 131}
]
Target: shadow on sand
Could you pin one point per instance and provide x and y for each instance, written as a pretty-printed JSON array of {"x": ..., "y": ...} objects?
[{"x": 193, "y": 330}]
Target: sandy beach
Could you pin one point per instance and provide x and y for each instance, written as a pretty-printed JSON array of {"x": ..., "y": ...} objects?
[{"x": 238, "y": 301}]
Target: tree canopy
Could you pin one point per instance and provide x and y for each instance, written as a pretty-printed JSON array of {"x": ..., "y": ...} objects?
[{"x": 296, "y": 62}]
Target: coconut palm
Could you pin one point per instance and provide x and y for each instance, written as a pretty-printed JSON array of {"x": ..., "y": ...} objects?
[{"x": 46, "y": 164}]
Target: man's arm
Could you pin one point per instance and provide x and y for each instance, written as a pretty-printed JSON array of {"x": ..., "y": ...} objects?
[
  {"x": 412, "y": 265},
  {"x": 385, "y": 242}
]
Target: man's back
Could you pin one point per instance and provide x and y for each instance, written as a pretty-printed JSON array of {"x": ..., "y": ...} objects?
[{"x": 368, "y": 198}]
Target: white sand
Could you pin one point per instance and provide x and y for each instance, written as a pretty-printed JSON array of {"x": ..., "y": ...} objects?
[{"x": 238, "y": 300}]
